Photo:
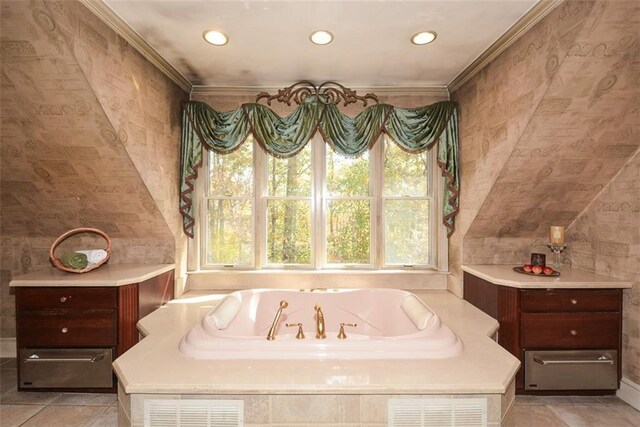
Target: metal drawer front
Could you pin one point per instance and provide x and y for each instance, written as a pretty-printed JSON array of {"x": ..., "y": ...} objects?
[
  {"x": 571, "y": 370},
  {"x": 73, "y": 368}
]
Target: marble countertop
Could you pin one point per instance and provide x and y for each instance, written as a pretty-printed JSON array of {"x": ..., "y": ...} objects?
[
  {"x": 569, "y": 278},
  {"x": 155, "y": 365},
  {"x": 106, "y": 275}
]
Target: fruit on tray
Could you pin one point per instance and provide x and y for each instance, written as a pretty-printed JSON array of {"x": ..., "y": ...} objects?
[
  {"x": 547, "y": 271},
  {"x": 527, "y": 268},
  {"x": 536, "y": 269}
]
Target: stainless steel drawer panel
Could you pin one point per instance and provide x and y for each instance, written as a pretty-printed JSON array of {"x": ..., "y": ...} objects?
[
  {"x": 571, "y": 370},
  {"x": 69, "y": 368}
]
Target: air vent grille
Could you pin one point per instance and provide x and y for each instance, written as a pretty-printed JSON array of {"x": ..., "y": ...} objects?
[
  {"x": 464, "y": 412},
  {"x": 186, "y": 413}
]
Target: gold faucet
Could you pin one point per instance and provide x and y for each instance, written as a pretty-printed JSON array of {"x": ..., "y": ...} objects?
[
  {"x": 320, "y": 333},
  {"x": 272, "y": 330}
]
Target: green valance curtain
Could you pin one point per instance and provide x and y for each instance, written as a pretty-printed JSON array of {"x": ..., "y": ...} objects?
[{"x": 413, "y": 129}]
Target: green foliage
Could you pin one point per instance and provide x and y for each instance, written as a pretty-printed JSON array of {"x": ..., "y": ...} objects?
[{"x": 348, "y": 208}]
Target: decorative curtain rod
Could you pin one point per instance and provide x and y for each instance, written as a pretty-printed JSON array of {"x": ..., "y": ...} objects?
[
  {"x": 412, "y": 129},
  {"x": 326, "y": 93}
]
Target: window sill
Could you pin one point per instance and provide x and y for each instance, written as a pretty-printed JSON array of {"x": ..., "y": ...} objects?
[{"x": 305, "y": 279}]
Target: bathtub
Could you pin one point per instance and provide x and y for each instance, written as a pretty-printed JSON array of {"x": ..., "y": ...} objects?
[{"x": 391, "y": 324}]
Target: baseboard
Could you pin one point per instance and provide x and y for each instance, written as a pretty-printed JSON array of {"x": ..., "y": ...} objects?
[
  {"x": 629, "y": 392},
  {"x": 8, "y": 347}
]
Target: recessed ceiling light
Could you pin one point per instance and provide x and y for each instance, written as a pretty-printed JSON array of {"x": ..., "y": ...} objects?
[
  {"x": 321, "y": 37},
  {"x": 215, "y": 37},
  {"x": 424, "y": 37}
]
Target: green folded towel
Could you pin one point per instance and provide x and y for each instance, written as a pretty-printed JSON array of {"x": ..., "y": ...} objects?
[{"x": 74, "y": 260}]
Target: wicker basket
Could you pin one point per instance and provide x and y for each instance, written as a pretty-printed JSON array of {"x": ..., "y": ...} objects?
[{"x": 56, "y": 262}]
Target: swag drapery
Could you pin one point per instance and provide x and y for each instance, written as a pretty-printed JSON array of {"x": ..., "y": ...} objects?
[{"x": 413, "y": 129}]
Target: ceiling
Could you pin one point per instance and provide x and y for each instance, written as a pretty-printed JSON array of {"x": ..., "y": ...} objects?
[{"x": 269, "y": 44}]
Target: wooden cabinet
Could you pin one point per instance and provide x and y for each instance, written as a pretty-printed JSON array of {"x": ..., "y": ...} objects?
[
  {"x": 65, "y": 318},
  {"x": 550, "y": 319}
]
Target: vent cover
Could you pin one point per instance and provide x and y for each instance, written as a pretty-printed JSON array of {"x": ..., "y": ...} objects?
[
  {"x": 183, "y": 413},
  {"x": 470, "y": 412}
]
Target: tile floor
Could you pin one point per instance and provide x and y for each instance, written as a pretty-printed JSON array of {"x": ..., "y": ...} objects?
[{"x": 99, "y": 410}]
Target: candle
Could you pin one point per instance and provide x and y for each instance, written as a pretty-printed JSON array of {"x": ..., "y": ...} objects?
[{"x": 556, "y": 235}]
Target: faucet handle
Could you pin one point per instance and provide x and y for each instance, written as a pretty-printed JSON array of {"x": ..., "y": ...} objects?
[
  {"x": 341, "y": 334},
  {"x": 300, "y": 334}
]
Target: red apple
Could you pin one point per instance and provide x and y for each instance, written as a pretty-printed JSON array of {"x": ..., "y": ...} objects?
[
  {"x": 536, "y": 269},
  {"x": 547, "y": 271},
  {"x": 527, "y": 268}
]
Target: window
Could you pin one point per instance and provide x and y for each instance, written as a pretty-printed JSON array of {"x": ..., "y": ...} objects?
[{"x": 319, "y": 209}]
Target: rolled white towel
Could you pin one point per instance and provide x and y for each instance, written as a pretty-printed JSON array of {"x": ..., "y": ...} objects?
[
  {"x": 225, "y": 312},
  {"x": 94, "y": 256},
  {"x": 417, "y": 311}
]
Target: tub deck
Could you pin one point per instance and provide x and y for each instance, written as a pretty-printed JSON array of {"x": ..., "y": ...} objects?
[{"x": 155, "y": 365}]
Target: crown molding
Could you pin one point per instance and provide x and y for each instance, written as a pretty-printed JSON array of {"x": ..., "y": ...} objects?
[
  {"x": 524, "y": 24},
  {"x": 252, "y": 91},
  {"x": 116, "y": 23}
]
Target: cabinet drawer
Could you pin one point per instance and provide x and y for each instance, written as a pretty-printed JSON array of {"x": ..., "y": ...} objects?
[
  {"x": 63, "y": 298},
  {"x": 571, "y": 300},
  {"x": 68, "y": 330},
  {"x": 570, "y": 330}
]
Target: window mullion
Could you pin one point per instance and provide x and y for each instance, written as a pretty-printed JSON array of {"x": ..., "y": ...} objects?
[
  {"x": 260, "y": 176},
  {"x": 377, "y": 174},
  {"x": 319, "y": 212}
]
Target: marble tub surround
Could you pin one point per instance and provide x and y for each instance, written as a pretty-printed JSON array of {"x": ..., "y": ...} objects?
[
  {"x": 154, "y": 368},
  {"x": 107, "y": 275},
  {"x": 569, "y": 278}
]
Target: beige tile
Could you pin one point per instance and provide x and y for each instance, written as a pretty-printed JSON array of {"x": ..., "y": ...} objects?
[
  {"x": 532, "y": 416},
  {"x": 627, "y": 412},
  {"x": 123, "y": 418},
  {"x": 611, "y": 400},
  {"x": 108, "y": 418},
  {"x": 373, "y": 408},
  {"x": 65, "y": 416},
  {"x": 99, "y": 399},
  {"x": 315, "y": 408},
  {"x": 8, "y": 380},
  {"x": 591, "y": 415},
  {"x": 28, "y": 397},
  {"x": 124, "y": 399},
  {"x": 529, "y": 400},
  {"x": 14, "y": 415},
  {"x": 8, "y": 364},
  {"x": 568, "y": 400}
]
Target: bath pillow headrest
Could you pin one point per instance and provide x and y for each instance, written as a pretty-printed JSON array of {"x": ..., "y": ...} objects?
[
  {"x": 226, "y": 311},
  {"x": 417, "y": 311}
]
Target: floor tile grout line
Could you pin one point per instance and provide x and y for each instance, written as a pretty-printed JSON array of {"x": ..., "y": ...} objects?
[{"x": 34, "y": 414}]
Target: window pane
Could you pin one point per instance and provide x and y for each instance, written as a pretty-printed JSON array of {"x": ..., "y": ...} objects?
[
  {"x": 288, "y": 231},
  {"x": 348, "y": 225},
  {"x": 406, "y": 231},
  {"x": 232, "y": 174},
  {"x": 405, "y": 174},
  {"x": 346, "y": 176},
  {"x": 230, "y": 232},
  {"x": 290, "y": 177}
]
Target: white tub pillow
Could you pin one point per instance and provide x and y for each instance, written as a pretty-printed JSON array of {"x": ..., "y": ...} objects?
[
  {"x": 417, "y": 311},
  {"x": 226, "y": 311}
]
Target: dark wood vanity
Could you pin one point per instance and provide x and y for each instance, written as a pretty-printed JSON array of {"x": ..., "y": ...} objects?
[
  {"x": 565, "y": 331},
  {"x": 70, "y": 327}
]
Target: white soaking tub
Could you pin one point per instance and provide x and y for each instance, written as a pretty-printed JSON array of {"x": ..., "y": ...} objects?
[{"x": 391, "y": 324}]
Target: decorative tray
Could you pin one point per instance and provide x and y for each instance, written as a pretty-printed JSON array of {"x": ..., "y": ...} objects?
[{"x": 521, "y": 271}]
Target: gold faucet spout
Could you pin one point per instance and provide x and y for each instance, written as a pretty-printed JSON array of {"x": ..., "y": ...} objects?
[
  {"x": 274, "y": 325},
  {"x": 320, "y": 332}
]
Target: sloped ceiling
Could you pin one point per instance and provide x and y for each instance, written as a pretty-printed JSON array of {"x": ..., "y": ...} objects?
[
  {"x": 63, "y": 163},
  {"x": 581, "y": 132}
]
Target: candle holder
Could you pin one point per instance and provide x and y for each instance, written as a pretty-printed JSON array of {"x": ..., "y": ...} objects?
[{"x": 557, "y": 250}]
